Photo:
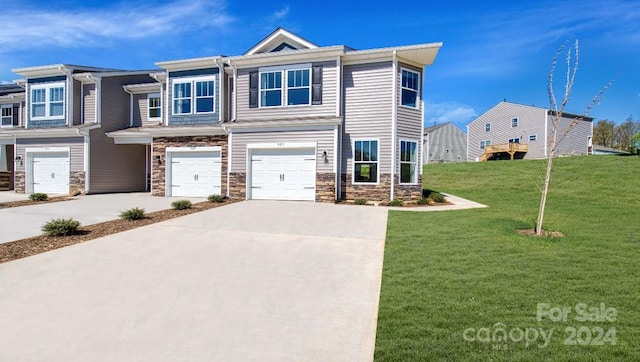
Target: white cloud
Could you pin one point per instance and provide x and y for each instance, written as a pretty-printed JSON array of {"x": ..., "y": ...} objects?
[
  {"x": 24, "y": 27},
  {"x": 280, "y": 14},
  {"x": 444, "y": 112}
]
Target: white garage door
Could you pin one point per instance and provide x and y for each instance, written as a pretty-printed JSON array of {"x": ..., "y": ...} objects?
[
  {"x": 50, "y": 172},
  {"x": 195, "y": 174},
  {"x": 283, "y": 174}
]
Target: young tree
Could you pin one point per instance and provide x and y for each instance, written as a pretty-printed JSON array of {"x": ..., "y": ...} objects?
[{"x": 558, "y": 135}]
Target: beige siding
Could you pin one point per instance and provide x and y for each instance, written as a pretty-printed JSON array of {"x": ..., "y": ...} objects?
[
  {"x": 115, "y": 168},
  {"x": 327, "y": 108},
  {"x": 115, "y": 101},
  {"x": 531, "y": 121},
  {"x": 140, "y": 109},
  {"x": 89, "y": 107},
  {"x": 576, "y": 141},
  {"x": 409, "y": 122},
  {"x": 368, "y": 110},
  {"x": 75, "y": 144},
  {"x": 324, "y": 142}
]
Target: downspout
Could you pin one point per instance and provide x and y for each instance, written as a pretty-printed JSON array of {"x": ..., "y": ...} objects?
[
  {"x": 87, "y": 155},
  {"x": 394, "y": 120},
  {"x": 68, "y": 97},
  {"x": 130, "y": 106},
  {"x": 220, "y": 90},
  {"x": 235, "y": 90},
  {"x": 546, "y": 131},
  {"x": 229, "y": 143},
  {"x": 421, "y": 154},
  {"x": 338, "y": 137}
]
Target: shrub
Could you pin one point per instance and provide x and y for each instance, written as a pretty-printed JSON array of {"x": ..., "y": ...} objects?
[
  {"x": 396, "y": 202},
  {"x": 135, "y": 213},
  {"x": 38, "y": 196},
  {"x": 423, "y": 201},
  {"x": 436, "y": 197},
  {"x": 181, "y": 204},
  {"x": 215, "y": 198},
  {"x": 60, "y": 227},
  {"x": 360, "y": 201}
]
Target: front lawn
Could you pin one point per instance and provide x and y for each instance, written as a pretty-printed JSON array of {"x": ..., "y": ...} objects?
[{"x": 453, "y": 281}]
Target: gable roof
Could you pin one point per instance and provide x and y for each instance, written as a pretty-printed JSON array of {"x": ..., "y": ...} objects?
[{"x": 280, "y": 40}]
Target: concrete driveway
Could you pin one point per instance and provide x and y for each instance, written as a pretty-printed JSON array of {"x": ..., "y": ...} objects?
[
  {"x": 26, "y": 221},
  {"x": 267, "y": 281}
]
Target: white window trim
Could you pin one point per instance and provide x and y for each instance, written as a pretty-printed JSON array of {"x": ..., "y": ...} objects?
[
  {"x": 353, "y": 162},
  {"x": 47, "y": 100},
  {"x": 154, "y": 95},
  {"x": 535, "y": 138},
  {"x": 308, "y": 87},
  {"x": 517, "y": 122},
  {"x": 284, "y": 73},
  {"x": 484, "y": 144},
  {"x": 193, "y": 97},
  {"x": 489, "y": 127},
  {"x": 7, "y": 106},
  {"x": 418, "y": 91},
  {"x": 400, "y": 162}
]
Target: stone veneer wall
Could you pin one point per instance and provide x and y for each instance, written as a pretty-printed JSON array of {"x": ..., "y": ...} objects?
[
  {"x": 375, "y": 192},
  {"x": 326, "y": 187},
  {"x": 159, "y": 150},
  {"x": 408, "y": 192},
  {"x": 76, "y": 182},
  {"x": 238, "y": 185}
]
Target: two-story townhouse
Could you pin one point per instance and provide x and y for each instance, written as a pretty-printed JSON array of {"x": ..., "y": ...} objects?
[
  {"x": 61, "y": 147},
  {"x": 529, "y": 126},
  {"x": 290, "y": 120}
]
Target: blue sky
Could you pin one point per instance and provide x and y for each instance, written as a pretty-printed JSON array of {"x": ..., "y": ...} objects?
[{"x": 493, "y": 50}]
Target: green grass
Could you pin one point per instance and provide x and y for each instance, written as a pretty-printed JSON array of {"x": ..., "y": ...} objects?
[{"x": 445, "y": 272}]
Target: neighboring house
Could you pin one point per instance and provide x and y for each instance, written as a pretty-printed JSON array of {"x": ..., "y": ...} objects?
[
  {"x": 529, "y": 129},
  {"x": 444, "y": 143},
  {"x": 12, "y": 106},
  {"x": 287, "y": 120},
  {"x": 59, "y": 142}
]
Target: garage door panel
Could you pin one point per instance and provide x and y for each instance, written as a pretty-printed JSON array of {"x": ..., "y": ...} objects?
[
  {"x": 283, "y": 174},
  {"x": 196, "y": 174},
  {"x": 50, "y": 172}
]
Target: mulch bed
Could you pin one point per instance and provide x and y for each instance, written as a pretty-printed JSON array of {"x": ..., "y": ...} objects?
[
  {"x": 6, "y": 205},
  {"x": 39, "y": 244},
  {"x": 532, "y": 232}
]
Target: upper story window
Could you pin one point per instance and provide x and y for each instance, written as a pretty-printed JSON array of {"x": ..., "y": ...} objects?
[
  {"x": 194, "y": 95},
  {"x": 365, "y": 161},
  {"x": 409, "y": 162},
  {"x": 47, "y": 100},
  {"x": 154, "y": 106},
  {"x": 7, "y": 116},
  {"x": 410, "y": 88},
  {"x": 293, "y": 85},
  {"x": 514, "y": 122},
  {"x": 533, "y": 138},
  {"x": 487, "y": 127}
]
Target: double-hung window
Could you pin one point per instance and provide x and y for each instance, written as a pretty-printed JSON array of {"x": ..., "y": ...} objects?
[
  {"x": 271, "y": 89},
  {"x": 408, "y": 162},
  {"x": 365, "y": 161},
  {"x": 514, "y": 122},
  {"x": 194, "y": 96},
  {"x": 533, "y": 138},
  {"x": 7, "y": 115},
  {"x": 298, "y": 87},
  {"x": 154, "y": 106},
  {"x": 410, "y": 88},
  {"x": 484, "y": 144},
  {"x": 487, "y": 127},
  {"x": 47, "y": 101}
]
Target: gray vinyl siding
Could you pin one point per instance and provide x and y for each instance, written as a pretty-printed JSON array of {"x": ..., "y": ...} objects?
[
  {"x": 327, "y": 108},
  {"x": 115, "y": 101},
  {"x": 77, "y": 103},
  {"x": 140, "y": 109},
  {"x": 89, "y": 107},
  {"x": 531, "y": 121},
  {"x": 193, "y": 119},
  {"x": 368, "y": 100},
  {"x": 447, "y": 143},
  {"x": 324, "y": 140},
  {"x": 576, "y": 141},
  {"x": 409, "y": 123},
  {"x": 75, "y": 144},
  {"x": 53, "y": 122},
  {"x": 115, "y": 168}
]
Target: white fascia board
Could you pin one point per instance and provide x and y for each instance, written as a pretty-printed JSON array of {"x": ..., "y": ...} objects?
[
  {"x": 284, "y": 57},
  {"x": 142, "y": 88},
  {"x": 187, "y": 64},
  {"x": 303, "y": 123},
  {"x": 48, "y": 132}
]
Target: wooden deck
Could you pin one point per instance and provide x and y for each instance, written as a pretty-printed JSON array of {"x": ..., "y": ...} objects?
[{"x": 491, "y": 151}]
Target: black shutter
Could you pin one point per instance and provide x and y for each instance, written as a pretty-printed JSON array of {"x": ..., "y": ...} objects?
[
  {"x": 316, "y": 85},
  {"x": 16, "y": 120},
  {"x": 253, "y": 89}
]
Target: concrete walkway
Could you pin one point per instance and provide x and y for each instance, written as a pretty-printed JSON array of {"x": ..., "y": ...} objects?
[
  {"x": 252, "y": 281},
  {"x": 26, "y": 221}
]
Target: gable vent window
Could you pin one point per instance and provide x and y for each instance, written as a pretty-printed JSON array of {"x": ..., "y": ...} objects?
[{"x": 295, "y": 85}]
